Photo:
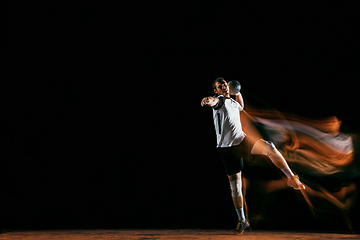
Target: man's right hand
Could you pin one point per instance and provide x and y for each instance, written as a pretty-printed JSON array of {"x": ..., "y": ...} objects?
[{"x": 209, "y": 101}]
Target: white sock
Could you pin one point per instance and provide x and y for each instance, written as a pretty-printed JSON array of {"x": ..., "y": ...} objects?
[{"x": 240, "y": 213}]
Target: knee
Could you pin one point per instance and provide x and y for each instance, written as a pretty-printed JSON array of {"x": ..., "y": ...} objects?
[
  {"x": 269, "y": 149},
  {"x": 236, "y": 188}
]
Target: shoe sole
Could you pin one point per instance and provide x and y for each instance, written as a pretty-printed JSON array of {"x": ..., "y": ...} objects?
[{"x": 237, "y": 233}]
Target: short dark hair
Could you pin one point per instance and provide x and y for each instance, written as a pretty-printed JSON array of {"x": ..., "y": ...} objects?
[{"x": 219, "y": 79}]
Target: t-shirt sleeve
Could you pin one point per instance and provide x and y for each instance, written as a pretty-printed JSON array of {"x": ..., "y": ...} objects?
[{"x": 220, "y": 102}]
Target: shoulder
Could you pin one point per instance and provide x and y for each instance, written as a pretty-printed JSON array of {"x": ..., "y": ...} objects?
[
  {"x": 220, "y": 102},
  {"x": 236, "y": 104}
]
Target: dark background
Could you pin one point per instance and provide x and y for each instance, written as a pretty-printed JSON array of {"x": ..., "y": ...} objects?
[{"x": 102, "y": 125}]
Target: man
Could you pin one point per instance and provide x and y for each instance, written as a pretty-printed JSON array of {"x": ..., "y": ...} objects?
[{"x": 234, "y": 145}]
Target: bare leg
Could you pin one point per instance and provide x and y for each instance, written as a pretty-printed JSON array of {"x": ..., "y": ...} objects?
[
  {"x": 269, "y": 149},
  {"x": 261, "y": 147},
  {"x": 238, "y": 200}
]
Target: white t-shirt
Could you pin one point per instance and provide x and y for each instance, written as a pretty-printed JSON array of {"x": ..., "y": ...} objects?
[{"x": 227, "y": 123}]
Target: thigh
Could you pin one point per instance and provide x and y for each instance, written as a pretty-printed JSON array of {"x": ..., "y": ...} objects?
[
  {"x": 244, "y": 149},
  {"x": 258, "y": 147}
]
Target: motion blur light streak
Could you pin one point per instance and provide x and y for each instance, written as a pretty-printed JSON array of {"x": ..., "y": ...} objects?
[
  {"x": 311, "y": 146},
  {"x": 323, "y": 158}
]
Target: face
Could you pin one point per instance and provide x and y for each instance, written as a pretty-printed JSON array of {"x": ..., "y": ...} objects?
[{"x": 222, "y": 88}]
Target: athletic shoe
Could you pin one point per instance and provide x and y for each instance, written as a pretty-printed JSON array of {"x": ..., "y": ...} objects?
[{"x": 241, "y": 226}]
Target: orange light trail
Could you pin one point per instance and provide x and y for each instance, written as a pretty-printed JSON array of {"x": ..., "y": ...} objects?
[{"x": 314, "y": 148}]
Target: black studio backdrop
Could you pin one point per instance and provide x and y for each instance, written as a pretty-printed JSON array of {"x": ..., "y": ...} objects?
[{"x": 102, "y": 124}]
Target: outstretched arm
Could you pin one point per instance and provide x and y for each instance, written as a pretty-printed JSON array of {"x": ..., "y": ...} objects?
[{"x": 209, "y": 101}]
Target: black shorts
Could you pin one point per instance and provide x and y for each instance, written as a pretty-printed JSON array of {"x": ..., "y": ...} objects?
[{"x": 232, "y": 157}]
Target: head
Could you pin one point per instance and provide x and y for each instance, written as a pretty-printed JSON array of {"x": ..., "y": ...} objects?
[{"x": 221, "y": 87}]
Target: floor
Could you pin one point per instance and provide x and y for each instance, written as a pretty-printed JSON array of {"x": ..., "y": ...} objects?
[{"x": 170, "y": 234}]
